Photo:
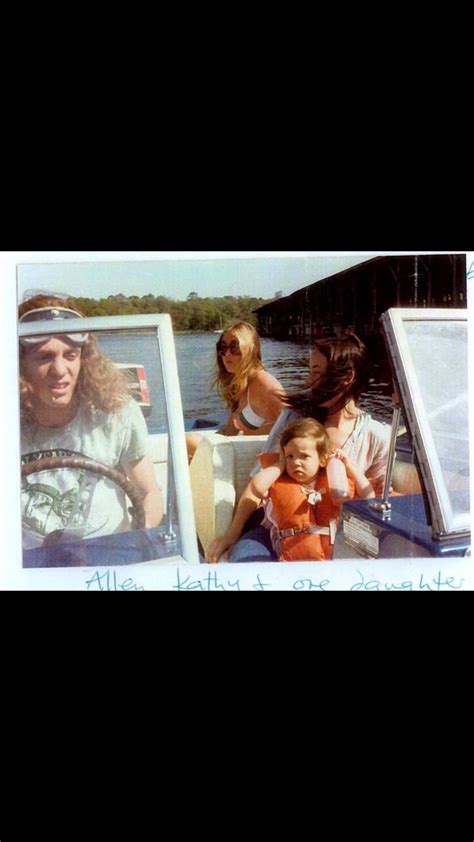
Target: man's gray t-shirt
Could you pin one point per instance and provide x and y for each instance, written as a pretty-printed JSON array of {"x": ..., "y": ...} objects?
[{"x": 80, "y": 502}]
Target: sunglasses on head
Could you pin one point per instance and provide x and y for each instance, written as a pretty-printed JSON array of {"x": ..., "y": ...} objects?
[
  {"x": 223, "y": 347},
  {"x": 46, "y": 314}
]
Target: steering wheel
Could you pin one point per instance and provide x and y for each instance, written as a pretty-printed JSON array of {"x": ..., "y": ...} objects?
[{"x": 81, "y": 463}]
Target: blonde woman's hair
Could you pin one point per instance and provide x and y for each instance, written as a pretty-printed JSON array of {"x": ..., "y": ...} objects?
[
  {"x": 100, "y": 385},
  {"x": 308, "y": 428},
  {"x": 231, "y": 385}
]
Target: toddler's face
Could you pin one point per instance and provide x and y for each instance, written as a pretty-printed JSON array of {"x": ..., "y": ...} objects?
[{"x": 302, "y": 459}]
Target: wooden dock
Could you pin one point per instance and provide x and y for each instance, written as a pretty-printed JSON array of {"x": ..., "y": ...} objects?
[{"x": 355, "y": 298}]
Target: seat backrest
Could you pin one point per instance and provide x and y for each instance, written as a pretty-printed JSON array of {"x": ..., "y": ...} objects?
[
  {"x": 219, "y": 472},
  {"x": 158, "y": 450}
]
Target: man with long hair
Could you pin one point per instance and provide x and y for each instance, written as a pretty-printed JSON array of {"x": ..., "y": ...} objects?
[{"x": 75, "y": 402}]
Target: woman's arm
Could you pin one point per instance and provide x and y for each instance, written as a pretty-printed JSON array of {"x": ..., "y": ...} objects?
[
  {"x": 246, "y": 506},
  {"x": 363, "y": 487},
  {"x": 229, "y": 428},
  {"x": 377, "y": 456},
  {"x": 142, "y": 474}
]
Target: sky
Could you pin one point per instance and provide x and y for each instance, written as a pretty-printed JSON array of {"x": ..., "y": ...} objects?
[{"x": 176, "y": 275}]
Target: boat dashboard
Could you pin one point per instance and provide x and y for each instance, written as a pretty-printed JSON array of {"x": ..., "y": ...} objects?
[{"x": 427, "y": 350}]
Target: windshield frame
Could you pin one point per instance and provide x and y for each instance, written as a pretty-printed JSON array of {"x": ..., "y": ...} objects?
[
  {"x": 166, "y": 356},
  {"x": 446, "y": 523}
]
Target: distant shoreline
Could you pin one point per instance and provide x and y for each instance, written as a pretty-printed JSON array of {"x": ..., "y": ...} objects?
[{"x": 185, "y": 332}]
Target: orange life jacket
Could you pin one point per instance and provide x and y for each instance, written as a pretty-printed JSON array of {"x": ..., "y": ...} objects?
[{"x": 293, "y": 513}]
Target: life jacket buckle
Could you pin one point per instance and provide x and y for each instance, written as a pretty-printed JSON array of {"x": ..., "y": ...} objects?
[{"x": 311, "y": 529}]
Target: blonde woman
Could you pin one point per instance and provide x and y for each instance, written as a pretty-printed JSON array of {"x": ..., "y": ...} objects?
[
  {"x": 74, "y": 402},
  {"x": 253, "y": 396}
]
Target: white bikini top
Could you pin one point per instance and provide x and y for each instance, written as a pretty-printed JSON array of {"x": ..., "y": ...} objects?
[{"x": 247, "y": 419}]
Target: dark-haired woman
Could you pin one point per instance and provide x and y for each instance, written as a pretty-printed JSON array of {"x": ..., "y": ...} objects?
[{"x": 339, "y": 370}]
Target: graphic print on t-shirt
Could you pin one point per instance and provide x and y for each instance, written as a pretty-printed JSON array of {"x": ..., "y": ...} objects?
[{"x": 60, "y": 499}]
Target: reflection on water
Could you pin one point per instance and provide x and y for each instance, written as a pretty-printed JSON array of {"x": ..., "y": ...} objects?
[{"x": 195, "y": 354}]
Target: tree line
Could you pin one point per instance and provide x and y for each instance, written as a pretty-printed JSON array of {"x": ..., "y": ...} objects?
[{"x": 193, "y": 314}]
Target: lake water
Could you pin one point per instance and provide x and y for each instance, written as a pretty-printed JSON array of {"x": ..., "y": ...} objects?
[{"x": 195, "y": 355}]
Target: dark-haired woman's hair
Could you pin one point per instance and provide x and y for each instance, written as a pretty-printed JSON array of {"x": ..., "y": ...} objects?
[{"x": 346, "y": 377}]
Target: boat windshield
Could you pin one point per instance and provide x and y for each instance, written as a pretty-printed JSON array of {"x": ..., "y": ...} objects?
[
  {"x": 143, "y": 345},
  {"x": 428, "y": 351}
]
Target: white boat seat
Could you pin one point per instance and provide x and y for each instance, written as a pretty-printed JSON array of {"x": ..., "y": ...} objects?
[
  {"x": 219, "y": 472},
  {"x": 158, "y": 450}
]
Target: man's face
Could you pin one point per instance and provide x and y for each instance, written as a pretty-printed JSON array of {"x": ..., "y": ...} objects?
[{"x": 52, "y": 369}]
